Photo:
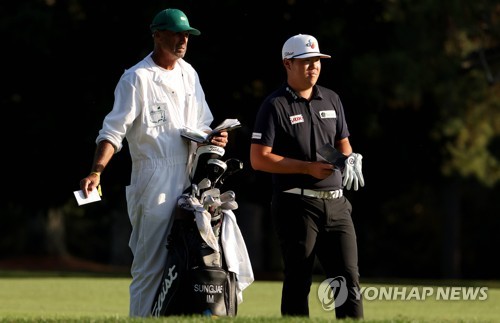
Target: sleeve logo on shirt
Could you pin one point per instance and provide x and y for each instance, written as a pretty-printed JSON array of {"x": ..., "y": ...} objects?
[
  {"x": 296, "y": 119},
  {"x": 327, "y": 114},
  {"x": 256, "y": 135}
]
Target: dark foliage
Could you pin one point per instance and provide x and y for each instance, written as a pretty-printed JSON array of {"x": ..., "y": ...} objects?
[{"x": 62, "y": 60}]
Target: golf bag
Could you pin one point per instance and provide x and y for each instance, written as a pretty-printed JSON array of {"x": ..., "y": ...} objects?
[{"x": 196, "y": 279}]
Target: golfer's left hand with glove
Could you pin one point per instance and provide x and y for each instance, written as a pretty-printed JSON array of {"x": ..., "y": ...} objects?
[{"x": 353, "y": 175}]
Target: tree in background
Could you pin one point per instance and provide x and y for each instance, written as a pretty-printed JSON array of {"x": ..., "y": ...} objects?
[
  {"x": 435, "y": 102},
  {"x": 419, "y": 81}
]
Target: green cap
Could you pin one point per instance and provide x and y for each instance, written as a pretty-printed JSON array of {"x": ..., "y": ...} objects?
[{"x": 173, "y": 20}]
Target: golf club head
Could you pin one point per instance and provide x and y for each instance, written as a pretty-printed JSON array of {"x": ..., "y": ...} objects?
[
  {"x": 227, "y": 196},
  {"x": 230, "y": 205},
  {"x": 208, "y": 200},
  {"x": 194, "y": 189},
  {"x": 203, "y": 185},
  {"x": 215, "y": 169},
  {"x": 234, "y": 165},
  {"x": 203, "y": 154},
  {"x": 211, "y": 202},
  {"x": 213, "y": 192}
]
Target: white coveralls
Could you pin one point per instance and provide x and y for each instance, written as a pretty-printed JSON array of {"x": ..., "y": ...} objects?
[{"x": 151, "y": 106}]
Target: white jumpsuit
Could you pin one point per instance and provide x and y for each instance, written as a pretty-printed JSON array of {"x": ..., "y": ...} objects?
[{"x": 151, "y": 106}]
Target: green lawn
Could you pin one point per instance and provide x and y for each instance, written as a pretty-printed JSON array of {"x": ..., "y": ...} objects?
[{"x": 105, "y": 299}]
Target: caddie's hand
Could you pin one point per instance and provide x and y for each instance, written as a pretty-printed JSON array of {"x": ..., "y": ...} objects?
[
  {"x": 89, "y": 183},
  {"x": 353, "y": 175},
  {"x": 221, "y": 139}
]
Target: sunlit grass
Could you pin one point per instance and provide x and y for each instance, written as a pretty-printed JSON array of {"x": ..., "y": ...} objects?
[{"x": 105, "y": 299}]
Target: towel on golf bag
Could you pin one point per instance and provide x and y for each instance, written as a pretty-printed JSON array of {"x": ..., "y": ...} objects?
[
  {"x": 236, "y": 256},
  {"x": 207, "y": 266},
  {"x": 203, "y": 219}
]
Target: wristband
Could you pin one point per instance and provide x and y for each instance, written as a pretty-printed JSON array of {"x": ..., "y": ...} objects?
[{"x": 95, "y": 173}]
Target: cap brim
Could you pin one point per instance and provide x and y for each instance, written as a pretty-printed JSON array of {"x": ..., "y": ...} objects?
[
  {"x": 308, "y": 55},
  {"x": 192, "y": 31}
]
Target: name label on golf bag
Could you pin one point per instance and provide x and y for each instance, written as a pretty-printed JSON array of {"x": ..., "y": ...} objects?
[{"x": 214, "y": 292}]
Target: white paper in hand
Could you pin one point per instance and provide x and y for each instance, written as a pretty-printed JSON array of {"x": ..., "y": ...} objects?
[{"x": 93, "y": 197}]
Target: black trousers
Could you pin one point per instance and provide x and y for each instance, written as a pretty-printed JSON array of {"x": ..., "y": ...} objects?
[{"x": 312, "y": 227}]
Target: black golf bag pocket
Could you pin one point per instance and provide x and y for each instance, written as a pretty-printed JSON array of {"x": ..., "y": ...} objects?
[{"x": 214, "y": 291}]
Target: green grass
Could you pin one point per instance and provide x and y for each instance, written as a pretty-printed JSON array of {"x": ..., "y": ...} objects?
[{"x": 49, "y": 298}]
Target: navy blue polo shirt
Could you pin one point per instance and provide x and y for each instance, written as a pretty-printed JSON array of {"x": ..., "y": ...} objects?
[{"x": 295, "y": 127}]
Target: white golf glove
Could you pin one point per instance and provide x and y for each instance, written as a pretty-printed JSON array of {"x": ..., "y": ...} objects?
[{"x": 352, "y": 174}]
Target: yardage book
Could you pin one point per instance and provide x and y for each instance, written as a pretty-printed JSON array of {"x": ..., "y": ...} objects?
[
  {"x": 202, "y": 137},
  {"x": 332, "y": 155}
]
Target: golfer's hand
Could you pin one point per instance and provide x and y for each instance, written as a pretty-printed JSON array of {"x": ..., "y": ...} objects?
[
  {"x": 320, "y": 170},
  {"x": 353, "y": 175}
]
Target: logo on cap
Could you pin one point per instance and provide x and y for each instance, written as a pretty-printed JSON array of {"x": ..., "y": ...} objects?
[{"x": 311, "y": 43}]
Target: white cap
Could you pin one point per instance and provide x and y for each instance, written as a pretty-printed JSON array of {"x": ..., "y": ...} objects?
[{"x": 301, "y": 46}]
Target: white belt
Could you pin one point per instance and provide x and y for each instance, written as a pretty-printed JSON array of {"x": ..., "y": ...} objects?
[{"x": 318, "y": 194}]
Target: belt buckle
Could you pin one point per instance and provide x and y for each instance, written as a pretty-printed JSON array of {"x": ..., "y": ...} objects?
[
  {"x": 322, "y": 194},
  {"x": 330, "y": 195}
]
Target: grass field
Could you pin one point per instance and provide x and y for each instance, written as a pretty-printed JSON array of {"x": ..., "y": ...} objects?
[{"x": 50, "y": 298}]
